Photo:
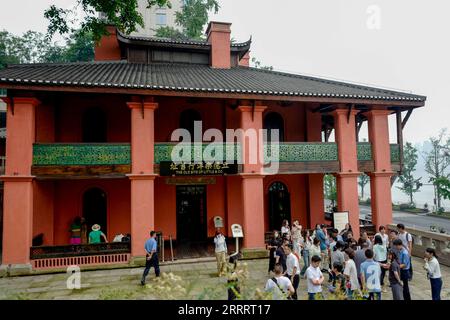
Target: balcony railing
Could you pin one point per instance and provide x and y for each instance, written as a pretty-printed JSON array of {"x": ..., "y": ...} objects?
[
  {"x": 91, "y": 154},
  {"x": 81, "y": 154}
]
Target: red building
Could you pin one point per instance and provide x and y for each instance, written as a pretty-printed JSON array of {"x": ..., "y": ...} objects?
[{"x": 92, "y": 139}]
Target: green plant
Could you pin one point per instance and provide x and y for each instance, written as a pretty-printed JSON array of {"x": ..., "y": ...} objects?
[{"x": 116, "y": 294}]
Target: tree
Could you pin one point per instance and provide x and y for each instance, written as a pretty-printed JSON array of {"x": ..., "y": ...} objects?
[
  {"x": 437, "y": 162},
  {"x": 257, "y": 64},
  {"x": 34, "y": 47},
  {"x": 330, "y": 189},
  {"x": 443, "y": 185},
  {"x": 409, "y": 184},
  {"x": 124, "y": 14},
  {"x": 363, "y": 180},
  {"x": 192, "y": 19}
]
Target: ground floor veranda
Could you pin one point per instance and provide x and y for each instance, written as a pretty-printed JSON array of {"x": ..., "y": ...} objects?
[{"x": 186, "y": 211}]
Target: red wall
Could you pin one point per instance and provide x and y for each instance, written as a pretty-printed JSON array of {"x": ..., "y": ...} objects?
[
  {"x": 43, "y": 210},
  {"x": 297, "y": 188},
  {"x": 68, "y": 205},
  {"x": 62, "y": 121}
]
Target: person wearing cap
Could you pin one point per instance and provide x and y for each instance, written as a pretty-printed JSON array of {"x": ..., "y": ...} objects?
[{"x": 95, "y": 235}]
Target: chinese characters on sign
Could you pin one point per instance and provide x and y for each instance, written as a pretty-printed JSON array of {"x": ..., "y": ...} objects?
[{"x": 197, "y": 169}]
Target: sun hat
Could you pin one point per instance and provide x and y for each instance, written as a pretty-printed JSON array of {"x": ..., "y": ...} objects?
[{"x": 96, "y": 227}]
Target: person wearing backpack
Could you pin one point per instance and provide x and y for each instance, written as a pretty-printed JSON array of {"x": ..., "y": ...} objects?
[
  {"x": 280, "y": 286},
  {"x": 407, "y": 241}
]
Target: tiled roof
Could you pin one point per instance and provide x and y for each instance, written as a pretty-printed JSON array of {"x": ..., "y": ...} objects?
[
  {"x": 192, "y": 78},
  {"x": 202, "y": 43}
]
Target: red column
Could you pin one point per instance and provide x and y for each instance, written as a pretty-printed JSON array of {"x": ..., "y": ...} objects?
[
  {"x": 142, "y": 174},
  {"x": 18, "y": 186},
  {"x": 347, "y": 178},
  {"x": 380, "y": 179},
  {"x": 252, "y": 180},
  {"x": 315, "y": 181}
]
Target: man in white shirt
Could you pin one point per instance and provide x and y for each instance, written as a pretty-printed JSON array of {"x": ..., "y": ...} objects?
[
  {"x": 315, "y": 278},
  {"x": 407, "y": 241},
  {"x": 384, "y": 236},
  {"x": 280, "y": 286},
  {"x": 292, "y": 270},
  {"x": 351, "y": 273}
]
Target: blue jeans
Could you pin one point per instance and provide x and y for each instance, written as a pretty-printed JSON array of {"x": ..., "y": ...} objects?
[
  {"x": 313, "y": 296},
  {"x": 305, "y": 261},
  {"x": 436, "y": 286},
  {"x": 374, "y": 295}
]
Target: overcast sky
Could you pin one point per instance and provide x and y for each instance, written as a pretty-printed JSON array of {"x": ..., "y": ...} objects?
[{"x": 408, "y": 50}]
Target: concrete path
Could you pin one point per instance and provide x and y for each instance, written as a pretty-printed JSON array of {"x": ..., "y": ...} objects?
[{"x": 198, "y": 281}]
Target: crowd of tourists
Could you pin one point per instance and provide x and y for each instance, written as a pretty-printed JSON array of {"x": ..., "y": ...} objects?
[{"x": 346, "y": 267}]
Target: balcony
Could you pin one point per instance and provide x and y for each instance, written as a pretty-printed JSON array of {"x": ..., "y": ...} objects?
[
  {"x": 114, "y": 160},
  {"x": 58, "y": 160}
]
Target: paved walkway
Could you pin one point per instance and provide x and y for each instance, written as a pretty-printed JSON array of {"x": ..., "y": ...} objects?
[{"x": 198, "y": 281}]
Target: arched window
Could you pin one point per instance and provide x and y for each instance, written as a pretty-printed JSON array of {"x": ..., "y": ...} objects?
[
  {"x": 94, "y": 125},
  {"x": 187, "y": 118},
  {"x": 95, "y": 209},
  {"x": 279, "y": 205},
  {"x": 274, "y": 121}
]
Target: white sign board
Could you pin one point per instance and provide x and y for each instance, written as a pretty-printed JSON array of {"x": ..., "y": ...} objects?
[
  {"x": 236, "y": 229},
  {"x": 218, "y": 222},
  {"x": 340, "y": 219}
]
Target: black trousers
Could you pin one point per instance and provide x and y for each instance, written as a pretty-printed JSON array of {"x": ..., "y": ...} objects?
[
  {"x": 153, "y": 262},
  {"x": 404, "y": 276},
  {"x": 295, "y": 284}
]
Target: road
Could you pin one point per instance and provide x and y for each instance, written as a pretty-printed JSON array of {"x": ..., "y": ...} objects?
[{"x": 413, "y": 220}]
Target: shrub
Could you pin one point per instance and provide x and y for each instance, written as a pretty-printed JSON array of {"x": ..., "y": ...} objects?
[
  {"x": 406, "y": 206},
  {"x": 368, "y": 201}
]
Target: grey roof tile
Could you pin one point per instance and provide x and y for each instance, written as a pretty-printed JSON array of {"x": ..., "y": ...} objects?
[{"x": 189, "y": 77}]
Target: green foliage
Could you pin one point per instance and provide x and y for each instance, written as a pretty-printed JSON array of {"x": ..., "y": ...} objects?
[
  {"x": 437, "y": 162},
  {"x": 194, "y": 16},
  {"x": 171, "y": 33},
  {"x": 123, "y": 14},
  {"x": 406, "y": 206},
  {"x": 34, "y": 47},
  {"x": 116, "y": 294},
  {"x": 443, "y": 186},
  {"x": 409, "y": 184},
  {"x": 330, "y": 188},
  {"x": 257, "y": 64},
  {"x": 363, "y": 180}
]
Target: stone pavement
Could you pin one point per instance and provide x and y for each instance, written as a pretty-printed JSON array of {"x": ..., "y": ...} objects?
[{"x": 199, "y": 278}]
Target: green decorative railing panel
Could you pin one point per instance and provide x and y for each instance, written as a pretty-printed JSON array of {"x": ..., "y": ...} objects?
[
  {"x": 364, "y": 150},
  {"x": 163, "y": 151},
  {"x": 120, "y": 154},
  {"x": 302, "y": 152},
  {"x": 395, "y": 153},
  {"x": 81, "y": 154}
]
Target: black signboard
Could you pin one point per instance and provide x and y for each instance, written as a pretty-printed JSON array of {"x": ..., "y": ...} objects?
[{"x": 167, "y": 168}]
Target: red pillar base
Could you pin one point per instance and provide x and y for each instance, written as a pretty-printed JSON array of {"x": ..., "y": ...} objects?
[
  {"x": 347, "y": 194},
  {"x": 253, "y": 211},
  {"x": 17, "y": 219},
  {"x": 142, "y": 211},
  {"x": 381, "y": 198}
]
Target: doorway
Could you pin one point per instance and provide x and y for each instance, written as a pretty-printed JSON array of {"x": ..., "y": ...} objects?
[
  {"x": 191, "y": 214},
  {"x": 279, "y": 205},
  {"x": 95, "y": 209}
]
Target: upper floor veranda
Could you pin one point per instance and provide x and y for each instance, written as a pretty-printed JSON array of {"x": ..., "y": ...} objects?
[{"x": 90, "y": 135}]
